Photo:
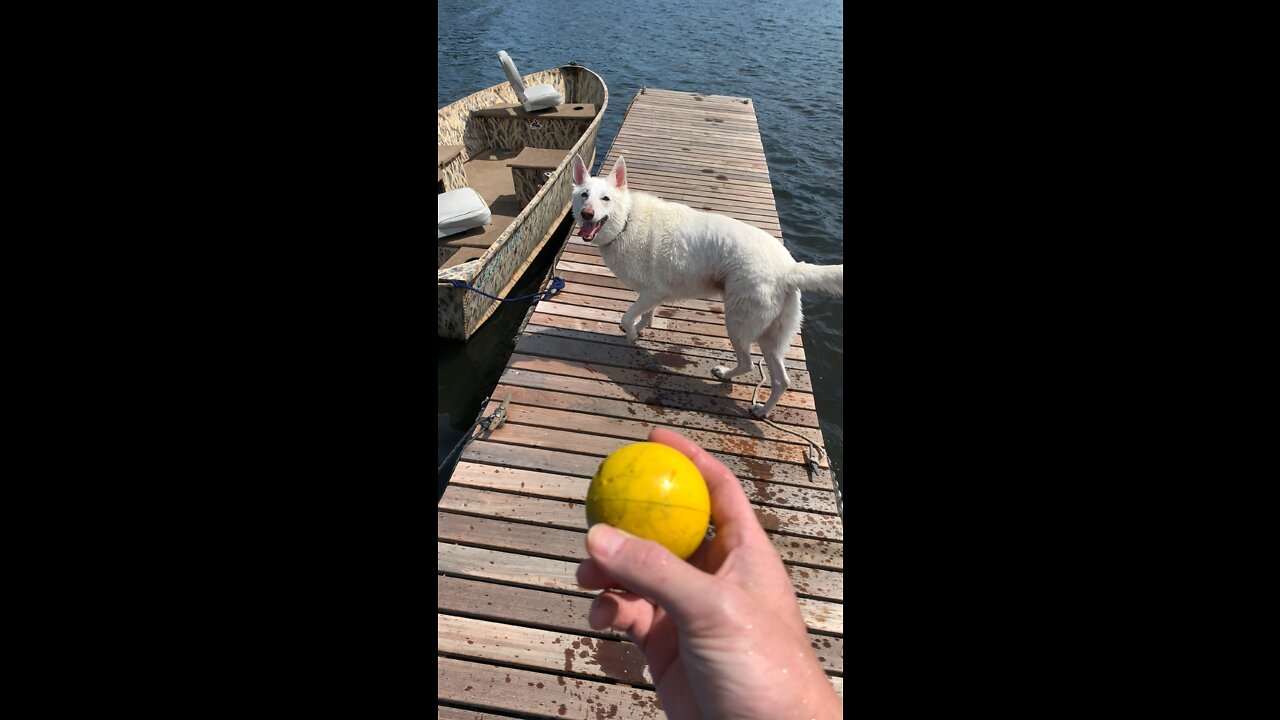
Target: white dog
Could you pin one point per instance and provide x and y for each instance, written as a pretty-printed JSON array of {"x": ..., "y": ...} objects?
[{"x": 667, "y": 251}]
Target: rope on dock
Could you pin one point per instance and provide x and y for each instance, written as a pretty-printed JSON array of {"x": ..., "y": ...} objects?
[
  {"x": 812, "y": 464},
  {"x": 491, "y": 423},
  {"x": 557, "y": 284},
  {"x": 813, "y": 459}
]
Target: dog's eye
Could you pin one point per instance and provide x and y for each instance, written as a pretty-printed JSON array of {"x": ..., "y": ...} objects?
[
  {"x": 584, "y": 194},
  {"x": 605, "y": 198}
]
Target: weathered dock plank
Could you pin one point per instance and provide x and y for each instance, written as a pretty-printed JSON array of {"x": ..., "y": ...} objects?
[
  {"x": 526, "y": 570},
  {"x": 566, "y": 544},
  {"x": 569, "y": 513},
  {"x": 513, "y": 633},
  {"x": 600, "y": 389},
  {"x": 548, "y": 610},
  {"x": 672, "y": 386},
  {"x": 537, "y": 341},
  {"x": 653, "y": 339},
  {"x": 565, "y": 485},
  {"x": 577, "y": 440}
]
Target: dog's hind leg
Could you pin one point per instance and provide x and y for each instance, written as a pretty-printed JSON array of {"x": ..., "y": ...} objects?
[
  {"x": 644, "y": 306},
  {"x": 778, "y": 380},
  {"x": 742, "y": 328},
  {"x": 773, "y": 345}
]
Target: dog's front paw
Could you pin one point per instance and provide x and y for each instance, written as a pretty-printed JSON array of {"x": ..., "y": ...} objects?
[
  {"x": 758, "y": 410},
  {"x": 720, "y": 372}
]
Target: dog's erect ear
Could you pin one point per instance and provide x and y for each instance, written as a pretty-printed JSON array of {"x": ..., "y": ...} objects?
[
  {"x": 620, "y": 174},
  {"x": 579, "y": 170}
]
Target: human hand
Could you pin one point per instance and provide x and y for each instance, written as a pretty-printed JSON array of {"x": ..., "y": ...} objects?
[{"x": 722, "y": 633}]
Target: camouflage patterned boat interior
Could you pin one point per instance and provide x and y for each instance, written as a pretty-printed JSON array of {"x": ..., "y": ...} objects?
[{"x": 520, "y": 164}]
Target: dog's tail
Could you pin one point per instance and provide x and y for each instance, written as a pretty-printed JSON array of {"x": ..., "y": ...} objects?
[{"x": 826, "y": 279}]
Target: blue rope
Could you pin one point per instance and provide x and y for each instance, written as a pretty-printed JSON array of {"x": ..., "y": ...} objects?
[{"x": 557, "y": 284}]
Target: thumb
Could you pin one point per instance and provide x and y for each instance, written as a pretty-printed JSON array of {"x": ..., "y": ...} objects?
[{"x": 649, "y": 569}]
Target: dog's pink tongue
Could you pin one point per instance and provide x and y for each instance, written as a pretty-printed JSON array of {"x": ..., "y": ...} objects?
[{"x": 589, "y": 230}]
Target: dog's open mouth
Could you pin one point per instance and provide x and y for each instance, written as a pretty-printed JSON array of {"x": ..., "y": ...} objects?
[{"x": 589, "y": 228}]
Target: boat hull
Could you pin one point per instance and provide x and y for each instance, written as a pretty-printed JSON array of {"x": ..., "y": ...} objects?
[{"x": 461, "y": 312}]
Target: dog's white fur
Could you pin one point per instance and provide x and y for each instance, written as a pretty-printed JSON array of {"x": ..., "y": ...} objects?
[{"x": 667, "y": 251}]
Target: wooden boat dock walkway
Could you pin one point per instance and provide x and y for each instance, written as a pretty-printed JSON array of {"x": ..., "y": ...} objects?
[{"x": 513, "y": 634}]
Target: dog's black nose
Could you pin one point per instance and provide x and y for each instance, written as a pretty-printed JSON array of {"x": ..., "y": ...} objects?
[{"x": 588, "y": 213}]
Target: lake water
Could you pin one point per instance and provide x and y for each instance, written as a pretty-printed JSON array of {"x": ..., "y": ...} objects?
[{"x": 787, "y": 57}]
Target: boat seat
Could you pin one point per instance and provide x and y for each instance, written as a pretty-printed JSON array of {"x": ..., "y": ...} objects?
[
  {"x": 538, "y": 158},
  {"x": 531, "y": 169},
  {"x": 459, "y": 210},
  {"x": 534, "y": 97}
]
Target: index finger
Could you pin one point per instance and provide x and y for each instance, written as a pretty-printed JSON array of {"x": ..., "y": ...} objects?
[{"x": 729, "y": 504}]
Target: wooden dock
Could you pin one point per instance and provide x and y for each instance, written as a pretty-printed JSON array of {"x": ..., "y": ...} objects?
[{"x": 513, "y": 633}]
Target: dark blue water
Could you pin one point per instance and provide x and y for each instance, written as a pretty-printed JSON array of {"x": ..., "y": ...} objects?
[{"x": 787, "y": 57}]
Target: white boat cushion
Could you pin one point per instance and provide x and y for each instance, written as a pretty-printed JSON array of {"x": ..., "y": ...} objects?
[
  {"x": 532, "y": 98},
  {"x": 459, "y": 210},
  {"x": 541, "y": 96}
]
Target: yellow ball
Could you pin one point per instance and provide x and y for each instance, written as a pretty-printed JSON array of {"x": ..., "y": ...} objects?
[{"x": 654, "y": 492}]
